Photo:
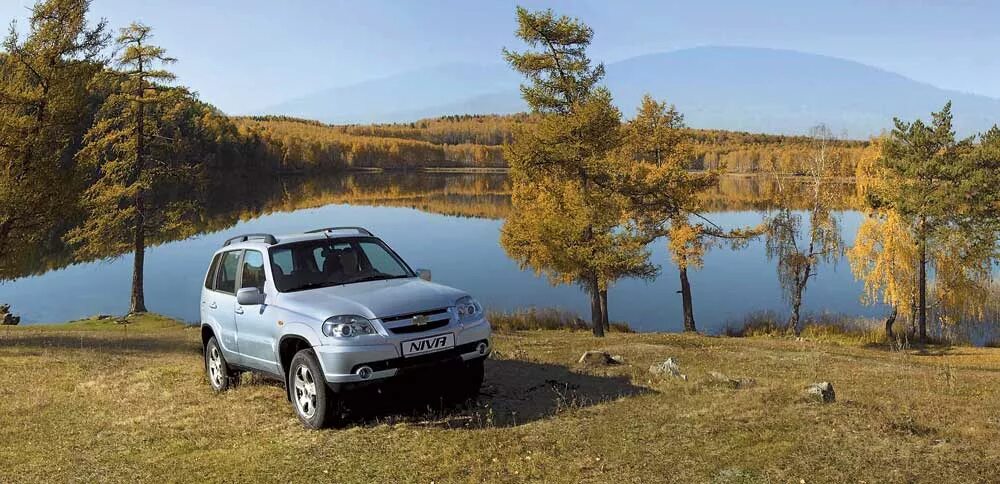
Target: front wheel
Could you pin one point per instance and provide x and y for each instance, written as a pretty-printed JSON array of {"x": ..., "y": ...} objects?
[{"x": 312, "y": 399}]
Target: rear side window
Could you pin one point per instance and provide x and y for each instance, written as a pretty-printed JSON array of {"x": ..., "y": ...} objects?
[
  {"x": 210, "y": 278},
  {"x": 225, "y": 280}
]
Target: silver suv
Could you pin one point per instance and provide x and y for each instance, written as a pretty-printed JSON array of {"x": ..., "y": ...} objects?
[{"x": 330, "y": 310}]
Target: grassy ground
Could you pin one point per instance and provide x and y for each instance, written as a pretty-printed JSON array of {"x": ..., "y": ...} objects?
[{"x": 88, "y": 402}]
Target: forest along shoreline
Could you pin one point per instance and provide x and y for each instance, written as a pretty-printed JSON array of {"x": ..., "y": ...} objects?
[{"x": 108, "y": 154}]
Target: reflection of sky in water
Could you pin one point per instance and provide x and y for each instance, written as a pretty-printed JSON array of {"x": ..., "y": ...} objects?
[{"x": 462, "y": 252}]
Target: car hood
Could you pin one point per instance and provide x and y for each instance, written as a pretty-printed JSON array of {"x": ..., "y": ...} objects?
[{"x": 372, "y": 299}]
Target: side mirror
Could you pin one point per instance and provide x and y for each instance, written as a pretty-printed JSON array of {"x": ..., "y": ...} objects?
[
  {"x": 249, "y": 296},
  {"x": 424, "y": 274}
]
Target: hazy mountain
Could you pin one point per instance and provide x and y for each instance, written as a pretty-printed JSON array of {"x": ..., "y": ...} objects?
[{"x": 750, "y": 89}]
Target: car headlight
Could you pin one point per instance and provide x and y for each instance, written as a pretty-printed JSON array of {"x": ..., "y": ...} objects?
[
  {"x": 347, "y": 326},
  {"x": 468, "y": 309}
]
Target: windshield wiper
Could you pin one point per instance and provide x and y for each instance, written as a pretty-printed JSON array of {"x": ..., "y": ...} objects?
[{"x": 373, "y": 277}]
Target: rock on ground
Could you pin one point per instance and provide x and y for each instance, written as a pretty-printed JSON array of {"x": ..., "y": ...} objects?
[
  {"x": 821, "y": 392},
  {"x": 599, "y": 358},
  {"x": 668, "y": 367},
  {"x": 6, "y": 317}
]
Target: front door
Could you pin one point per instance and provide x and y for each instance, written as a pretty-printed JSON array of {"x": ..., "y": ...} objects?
[{"x": 256, "y": 324}]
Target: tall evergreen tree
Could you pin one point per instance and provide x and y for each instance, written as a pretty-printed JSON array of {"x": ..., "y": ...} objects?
[
  {"x": 44, "y": 111},
  {"x": 143, "y": 183},
  {"x": 565, "y": 206}
]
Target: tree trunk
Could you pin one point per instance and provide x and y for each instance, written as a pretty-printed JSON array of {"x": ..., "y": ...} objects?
[
  {"x": 596, "y": 314},
  {"x": 605, "y": 319},
  {"x": 793, "y": 319},
  {"x": 922, "y": 290},
  {"x": 138, "y": 304},
  {"x": 686, "y": 301},
  {"x": 889, "y": 335}
]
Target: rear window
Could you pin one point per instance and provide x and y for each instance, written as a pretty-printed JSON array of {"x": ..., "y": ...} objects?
[{"x": 211, "y": 271}]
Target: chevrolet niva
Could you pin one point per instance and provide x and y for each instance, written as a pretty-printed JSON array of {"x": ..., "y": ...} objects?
[{"x": 331, "y": 310}]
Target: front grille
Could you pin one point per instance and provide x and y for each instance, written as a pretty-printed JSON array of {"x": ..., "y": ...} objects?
[
  {"x": 413, "y": 328},
  {"x": 428, "y": 313}
]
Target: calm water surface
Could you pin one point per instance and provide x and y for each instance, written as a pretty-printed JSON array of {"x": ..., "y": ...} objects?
[{"x": 450, "y": 224}]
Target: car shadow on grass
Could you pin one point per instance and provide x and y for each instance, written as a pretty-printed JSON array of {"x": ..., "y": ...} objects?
[{"x": 515, "y": 392}]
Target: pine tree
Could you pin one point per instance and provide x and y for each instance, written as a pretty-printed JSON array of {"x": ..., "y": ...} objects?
[
  {"x": 565, "y": 206},
  {"x": 143, "y": 184}
]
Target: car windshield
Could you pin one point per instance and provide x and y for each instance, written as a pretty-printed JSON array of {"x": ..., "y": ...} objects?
[{"x": 312, "y": 264}]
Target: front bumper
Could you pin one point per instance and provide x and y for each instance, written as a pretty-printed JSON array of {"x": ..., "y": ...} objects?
[{"x": 341, "y": 362}]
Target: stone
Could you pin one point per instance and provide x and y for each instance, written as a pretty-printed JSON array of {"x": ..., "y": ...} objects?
[
  {"x": 596, "y": 358},
  {"x": 821, "y": 392},
  {"x": 734, "y": 383},
  {"x": 7, "y": 318},
  {"x": 668, "y": 367}
]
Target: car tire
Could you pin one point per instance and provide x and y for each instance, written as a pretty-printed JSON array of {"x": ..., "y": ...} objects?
[
  {"x": 313, "y": 402},
  {"x": 220, "y": 377}
]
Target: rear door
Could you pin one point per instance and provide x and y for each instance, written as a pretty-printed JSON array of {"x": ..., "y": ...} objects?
[
  {"x": 257, "y": 324},
  {"x": 219, "y": 304}
]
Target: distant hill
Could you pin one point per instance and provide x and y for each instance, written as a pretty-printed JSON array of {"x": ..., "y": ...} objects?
[{"x": 733, "y": 88}]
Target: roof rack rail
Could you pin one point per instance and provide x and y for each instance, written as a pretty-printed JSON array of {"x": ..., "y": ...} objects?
[
  {"x": 360, "y": 230},
  {"x": 268, "y": 238}
]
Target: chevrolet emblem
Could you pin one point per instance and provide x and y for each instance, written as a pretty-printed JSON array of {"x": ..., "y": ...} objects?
[{"x": 419, "y": 320}]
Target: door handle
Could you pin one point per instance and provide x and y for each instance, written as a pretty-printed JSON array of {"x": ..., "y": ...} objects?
[
  {"x": 239, "y": 310},
  {"x": 213, "y": 305}
]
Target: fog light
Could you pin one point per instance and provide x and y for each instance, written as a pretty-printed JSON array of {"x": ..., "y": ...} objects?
[
  {"x": 481, "y": 348},
  {"x": 365, "y": 372}
]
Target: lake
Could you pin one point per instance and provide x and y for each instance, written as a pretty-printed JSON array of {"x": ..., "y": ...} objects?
[{"x": 449, "y": 223}]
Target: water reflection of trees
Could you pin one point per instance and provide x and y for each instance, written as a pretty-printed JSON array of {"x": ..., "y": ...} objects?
[{"x": 477, "y": 195}]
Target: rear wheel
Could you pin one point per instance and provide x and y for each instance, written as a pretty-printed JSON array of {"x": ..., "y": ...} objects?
[
  {"x": 220, "y": 377},
  {"x": 313, "y": 401}
]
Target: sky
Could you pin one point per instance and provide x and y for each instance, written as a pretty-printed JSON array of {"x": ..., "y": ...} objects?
[{"x": 244, "y": 55}]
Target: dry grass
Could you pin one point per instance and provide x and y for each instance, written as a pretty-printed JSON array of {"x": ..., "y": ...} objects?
[{"x": 88, "y": 403}]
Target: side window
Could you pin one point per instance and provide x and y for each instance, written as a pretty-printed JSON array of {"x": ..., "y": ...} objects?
[
  {"x": 253, "y": 270},
  {"x": 211, "y": 271},
  {"x": 225, "y": 280}
]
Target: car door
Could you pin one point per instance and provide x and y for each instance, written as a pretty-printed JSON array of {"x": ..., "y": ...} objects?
[
  {"x": 219, "y": 305},
  {"x": 256, "y": 324}
]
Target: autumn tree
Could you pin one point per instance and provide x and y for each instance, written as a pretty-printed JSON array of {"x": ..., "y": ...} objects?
[
  {"x": 654, "y": 174},
  {"x": 142, "y": 184},
  {"x": 44, "y": 111},
  {"x": 932, "y": 202},
  {"x": 565, "y": 209},
  {"x": 800, "y": 250},
  {"x": 884, "y": 254},
  {"x": 943, "y": 191}
]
